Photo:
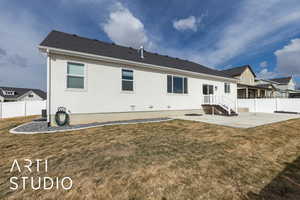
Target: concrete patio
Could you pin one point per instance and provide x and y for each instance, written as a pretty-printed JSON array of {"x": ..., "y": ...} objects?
[{"x": 244, "y": 120}]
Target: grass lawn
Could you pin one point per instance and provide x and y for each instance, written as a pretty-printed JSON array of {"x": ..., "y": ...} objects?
[{"x": 174, "y": 160}]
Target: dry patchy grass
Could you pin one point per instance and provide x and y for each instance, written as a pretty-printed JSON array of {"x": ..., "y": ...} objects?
[{"x": 160, "y": 161}]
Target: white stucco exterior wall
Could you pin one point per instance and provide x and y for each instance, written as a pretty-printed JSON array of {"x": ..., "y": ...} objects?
[{"x": 102, "y": 93}]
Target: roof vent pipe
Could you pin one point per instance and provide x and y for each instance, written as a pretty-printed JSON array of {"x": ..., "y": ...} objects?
[{"x": 141, "y": 52}]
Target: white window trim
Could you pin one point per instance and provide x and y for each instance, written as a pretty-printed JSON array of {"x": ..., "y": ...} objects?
[
  {"x": 225, "y": 88},
  {"x": 84, "y": 89},
  {"x": 133, "y": 81},
  {"x": 172, "y": 93}
]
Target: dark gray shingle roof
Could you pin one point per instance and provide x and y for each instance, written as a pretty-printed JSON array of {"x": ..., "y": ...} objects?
[
  {"x": 21, "y": 91},
  {"x": 236, "y": 71},
  {"x": 60, "y": 40},
  {"x": 283, "y": 80}
]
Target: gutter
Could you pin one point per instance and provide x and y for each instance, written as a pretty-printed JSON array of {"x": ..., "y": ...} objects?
[{"x": 116, "y": 60}]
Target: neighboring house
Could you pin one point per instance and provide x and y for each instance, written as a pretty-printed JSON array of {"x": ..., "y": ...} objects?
[
  {"x": 9, "y": 94},
  {"x": 247, "y": 86},
  {"x": 285, "y": 83},
  {"x": 251, "y": 87},
  {"x": 295, "y": 94},
  {"x": 98, "y": 81},
  {"x": 285, "y": 86},
  {"x": 278, "y": 93}
]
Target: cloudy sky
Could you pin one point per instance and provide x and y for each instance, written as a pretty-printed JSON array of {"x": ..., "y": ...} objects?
[{"x": 216, "y": 33}]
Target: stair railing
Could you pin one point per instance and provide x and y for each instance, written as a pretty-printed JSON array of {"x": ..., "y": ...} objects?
[{"x": 224, "y": 101}]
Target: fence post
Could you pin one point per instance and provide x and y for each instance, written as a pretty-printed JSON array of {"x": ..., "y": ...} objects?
[
  {"x": 236, "y": 106},
  {"x": 25, "y": 109},
  {"x": 0, "y": 110}
]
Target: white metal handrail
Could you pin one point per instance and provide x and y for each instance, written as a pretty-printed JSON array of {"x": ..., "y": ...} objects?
[{"x": 223, "y": 101}]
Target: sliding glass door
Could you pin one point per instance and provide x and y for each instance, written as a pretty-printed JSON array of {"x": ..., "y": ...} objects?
[{"x": 208, "y": 89}]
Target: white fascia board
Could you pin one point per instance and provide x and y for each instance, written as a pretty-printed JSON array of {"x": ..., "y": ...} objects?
[{"x": 116, "y": 60}]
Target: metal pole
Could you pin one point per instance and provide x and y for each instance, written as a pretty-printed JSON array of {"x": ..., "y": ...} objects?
[
  {"x": 25, "y": 109},
  {"x": 48, "y": 87},
  {"x": 255, "y": 105},
  {"x": 236, "y": 106}
]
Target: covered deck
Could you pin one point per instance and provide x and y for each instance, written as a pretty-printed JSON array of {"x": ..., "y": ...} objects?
[{"x": 255, "y": 91}]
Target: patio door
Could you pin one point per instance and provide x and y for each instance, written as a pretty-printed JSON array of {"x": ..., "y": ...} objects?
[
  {"x": 208, "y": 89},
  {"x": 208, "y": 94}
]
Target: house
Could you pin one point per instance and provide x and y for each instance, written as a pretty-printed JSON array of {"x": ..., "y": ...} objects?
[
  {"x": 285, "y": 86},
  {"x": 295, "y": 94},
  {"x": 9, "y": 94},
  {"x": 278, "y": 93},
  {"x": 247, "y": 86},
  {"x": 97, "y": 81},
  {"x": 285, "y": 83}
]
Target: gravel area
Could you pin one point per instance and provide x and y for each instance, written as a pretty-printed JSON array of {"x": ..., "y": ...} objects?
[{"x": 41, "y": 126}]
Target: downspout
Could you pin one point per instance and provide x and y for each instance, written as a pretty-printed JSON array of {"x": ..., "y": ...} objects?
[{"x": 48, "y": 88}]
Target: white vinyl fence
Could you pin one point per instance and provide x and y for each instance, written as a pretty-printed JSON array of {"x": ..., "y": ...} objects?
[
  {"x": 21, "y": 108},
  {"x": 270, "y": 105}
]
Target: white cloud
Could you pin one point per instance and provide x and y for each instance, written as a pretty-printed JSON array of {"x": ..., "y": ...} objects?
[
  {"x": 189, "y": 23},
  {"x": 263, "y": 64},
  {"x": 288, "y": 61},
  {"x": 253, "y": 25},
  {"x": 123, "y": 28},
  {"x": 288, "y": 58},
  {"x": 266, "y": 74}
]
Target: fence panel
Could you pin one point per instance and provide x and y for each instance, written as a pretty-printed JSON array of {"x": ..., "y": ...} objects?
[
  {"x": 270, "y": 105},
  {"x": 13, "y": 109},
  {"x": 247, "y": 103},
  {"x": 35, "y": 107},
  {"x": 21, "y": 108},
  {"x": 292, "y": 105},
  {"x": 265, "y": 105}
]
